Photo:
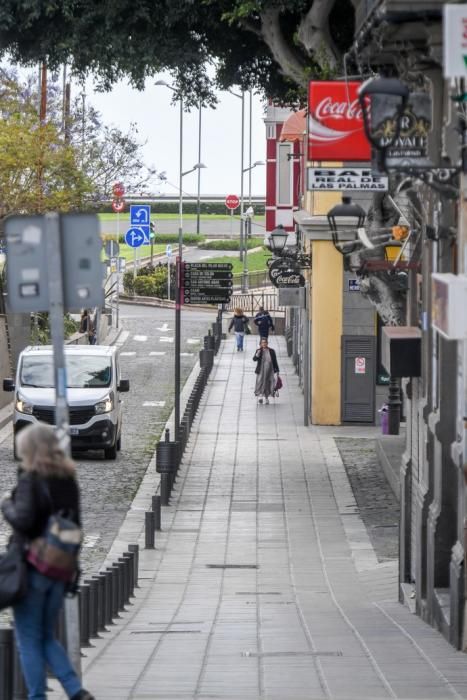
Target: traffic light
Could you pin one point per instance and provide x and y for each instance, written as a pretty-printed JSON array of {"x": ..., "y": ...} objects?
[{"x": 152, "y": 230}]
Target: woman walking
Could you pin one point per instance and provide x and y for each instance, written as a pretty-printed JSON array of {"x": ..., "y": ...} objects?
[
  {"x": 266, "y": 367},
  {"x": 239, "y": 323},
  {"x": 46, "y": 485},
  {"x": 87, "y": 326}
]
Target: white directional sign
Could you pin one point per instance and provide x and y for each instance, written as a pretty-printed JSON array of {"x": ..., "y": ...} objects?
[
  {"x": 455, "y": 40},
  {"x": 339, "y": 179},
  {"x": 140, "y": 217},
  {"x": 168, "y": 250}
]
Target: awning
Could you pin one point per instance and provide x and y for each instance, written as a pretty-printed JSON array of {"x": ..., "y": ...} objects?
[{"x": 294, "y": 126}]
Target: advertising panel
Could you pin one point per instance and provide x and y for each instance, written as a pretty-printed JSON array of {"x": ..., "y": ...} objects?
[{"x": 335, "y": 122}]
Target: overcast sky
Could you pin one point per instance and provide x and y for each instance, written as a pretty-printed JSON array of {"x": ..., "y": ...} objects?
[{"x": 158, "y": 124}]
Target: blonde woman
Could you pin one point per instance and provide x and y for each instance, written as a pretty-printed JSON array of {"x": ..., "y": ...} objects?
[
  {"x": 239, "y": 323},
  {"x": 46, "y": 484}
]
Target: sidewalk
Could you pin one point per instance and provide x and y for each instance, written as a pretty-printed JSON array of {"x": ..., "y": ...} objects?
[{"x": 264, "y": 583}]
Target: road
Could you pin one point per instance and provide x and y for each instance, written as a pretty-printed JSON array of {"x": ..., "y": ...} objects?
[
  {"x": 108, "y": 487},
  {"x": 208, "y": 227}
]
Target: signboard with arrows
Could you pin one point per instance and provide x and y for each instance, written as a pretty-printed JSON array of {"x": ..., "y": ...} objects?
[{"x": 206, "y": 283}]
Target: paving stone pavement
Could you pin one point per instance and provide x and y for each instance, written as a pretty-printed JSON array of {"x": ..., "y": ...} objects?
[{"x": 264, "y": 583}]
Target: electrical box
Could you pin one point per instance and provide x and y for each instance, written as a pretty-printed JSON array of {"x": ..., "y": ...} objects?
[
  {"x": 449, "y": 304},
  {"x": 401, "y": 351},
  {"x": 292, "y": 296}
]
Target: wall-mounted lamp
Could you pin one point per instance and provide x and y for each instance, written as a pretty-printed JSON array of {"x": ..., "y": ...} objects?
[{"x": 343, "y": 218}]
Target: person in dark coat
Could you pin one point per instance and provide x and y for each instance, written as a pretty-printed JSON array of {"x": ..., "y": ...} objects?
[
  {"x": 264, "y": 322},
  {"x": 266, "y": 369},
  {"x": 46, "y": 484},
  {"x": 87, "y": 326},
  {"x": 239, "y": 323}
]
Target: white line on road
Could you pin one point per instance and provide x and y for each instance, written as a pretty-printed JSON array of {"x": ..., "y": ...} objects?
[
  {"x": 122, "y": 338},
  {"x": 164, "y": 328},
  {"x": 193, "y": 341},
  {"x": 140, "y": 338},
  {"x": 186, "y": 354},
  {"x": 6, "y": 432},
  {"x": 127, "y": 354},
  {"x": 158, "y": 404},
  {"x": 165, "y": 339},
  {"x": 90, "y": 540},
  {"x": 157, "y": 353}
]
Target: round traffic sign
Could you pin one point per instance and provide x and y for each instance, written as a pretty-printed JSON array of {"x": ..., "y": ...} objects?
[
  {"x": 232, "y": 201},
  {"x": 118, "y": 189},
  {"x": 168, "y": 250},
  {"x": 134, "y": 237},
  {"x": 118, "y": 205}
]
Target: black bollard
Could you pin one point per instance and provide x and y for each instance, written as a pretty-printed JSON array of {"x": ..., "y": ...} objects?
[
  {"x": 149, "y": 528},
  {"x": 20, "y": 692},
  {"x": 156, "y": 509},
  {"x": 126, "y": 579},
  {"x": 100, "y": 602},
  {"x": 108, "y": 581},
  {"x": 128, "y": 557},
  {"x": 93, "y": 603},
  {"x": 135, "y": 549},
  {"x": 6, "y": 663},
  {"x": 84, "y": 615},
  {"x": 122, "y": 586},
  {"x": 115, "y": 594},
  {"x": 165, "y": 489}
]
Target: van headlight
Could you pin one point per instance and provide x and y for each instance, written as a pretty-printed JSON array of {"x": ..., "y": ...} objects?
[
  {"x": 23, "y": 406},
  {"x": 104, "y": 406}
]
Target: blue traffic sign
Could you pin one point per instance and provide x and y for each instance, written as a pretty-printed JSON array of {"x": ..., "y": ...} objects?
[
  {"x": 140, "y": 216},
  {"x": 168, "y": 250},
  {"x": 134, "y": 237}
]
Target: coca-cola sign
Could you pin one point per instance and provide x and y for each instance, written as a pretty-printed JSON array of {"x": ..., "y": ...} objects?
[
  {"x": 335, "y": 122},
  {"x": 283, "y": 273}
]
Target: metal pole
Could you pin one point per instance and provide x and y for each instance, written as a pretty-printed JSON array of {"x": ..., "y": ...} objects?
[
  {"x": 198, "y": 206},
  {"x": 249, "y": 148},
  {"x": 247, "y": 234},
  {"x": 231, "y": 222},
  {"x": 241, "y": 176},
  {"x": 168, "y": 279},
  {"x": 178, "y": 299},
  {"x": 118, "y": 271},
  {"x": 56, "y": 313}
]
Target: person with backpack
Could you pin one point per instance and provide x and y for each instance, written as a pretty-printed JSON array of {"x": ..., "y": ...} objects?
[
  {"x": 45, "y": 504},
  {"x": 264, "y": 322},
  {"x": 239, "y": 323}
]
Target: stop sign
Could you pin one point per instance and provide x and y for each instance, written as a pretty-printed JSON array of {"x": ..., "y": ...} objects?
[
  {"x": 118, "y": 189},
  {"x": 232, "y": 201}
]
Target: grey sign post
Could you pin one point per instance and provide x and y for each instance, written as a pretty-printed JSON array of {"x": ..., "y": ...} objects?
[{"x": 53, "y": 264}]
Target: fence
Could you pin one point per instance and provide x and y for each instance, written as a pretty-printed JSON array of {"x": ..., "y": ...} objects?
[
  {"x": 257, "y": 278},
  {"x": 251, "y": 302}
]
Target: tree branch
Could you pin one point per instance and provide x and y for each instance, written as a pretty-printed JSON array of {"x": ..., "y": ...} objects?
[
  {"x": 290, "y": 64},
  {"x": 314, "y": 35}
]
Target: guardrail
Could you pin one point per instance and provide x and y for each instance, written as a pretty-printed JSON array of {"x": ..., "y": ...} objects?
[
  {"x": 251, "y": 301},
  {"x": 257, "y": 278}
]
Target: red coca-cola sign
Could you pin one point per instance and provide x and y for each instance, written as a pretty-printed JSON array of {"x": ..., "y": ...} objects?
[{"x": 335, "y": 122}]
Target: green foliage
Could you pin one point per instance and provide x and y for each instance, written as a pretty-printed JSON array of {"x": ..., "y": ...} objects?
[
  {"x": 128, "y": 282},
  {"x": 151, "y": 281},
  {"x": 172, "y": 238},
  {"x": 40, "y": 328},
  {"x": 229, "y": 244},
  {"x": 171, "y": 207}
]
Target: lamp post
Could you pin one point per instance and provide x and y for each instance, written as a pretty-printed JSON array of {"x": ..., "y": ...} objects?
[
  {"x": 343, "y": 219},
  {"x": 246, "y": 228},
  {"x": 242, "y": 169},
  {"x": 178, "y": 299},
  {"x": 198, "y": 203},
  {"x": 278, "y": 239}
]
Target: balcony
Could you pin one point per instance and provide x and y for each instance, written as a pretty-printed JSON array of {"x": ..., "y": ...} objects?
[{"x": 399, "y": 11}]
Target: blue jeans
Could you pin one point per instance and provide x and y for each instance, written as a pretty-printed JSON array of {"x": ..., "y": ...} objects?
[
  {"x": 239, "y": 338},
  {"x": 35, "y": 618}
]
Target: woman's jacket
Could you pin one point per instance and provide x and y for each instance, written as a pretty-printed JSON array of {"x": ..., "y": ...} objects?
[{"x": 258, "y": 359}]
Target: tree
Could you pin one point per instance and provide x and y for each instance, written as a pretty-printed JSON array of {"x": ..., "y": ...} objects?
[{"x": 271, "y": 45}]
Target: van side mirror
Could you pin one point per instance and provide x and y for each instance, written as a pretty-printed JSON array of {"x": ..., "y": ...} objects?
[
  {"x": 124, "y": 385},
  {"x": 8, "y": 385}
]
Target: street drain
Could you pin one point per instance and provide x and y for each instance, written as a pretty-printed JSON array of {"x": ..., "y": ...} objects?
[
  {"x": 232, "y": 566},
  {"x": 266, "y": 654}
]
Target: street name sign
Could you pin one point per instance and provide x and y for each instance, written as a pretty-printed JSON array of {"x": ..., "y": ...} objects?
[
  {"x": 140, "y": 217},
  {"x": 207, "y": 283},
  {"x": 359, "y": 179},
  {"x": 455, "y": 40},
  {"x": 134, "y": 237}
]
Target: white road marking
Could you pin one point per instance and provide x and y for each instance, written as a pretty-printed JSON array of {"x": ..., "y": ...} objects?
[
  {"x": 157, "y": 353},
  {"x": 165, "y": 339},
  {"x": 140, "y": 338},
  {"x": 90, "y": 540},
  {"x": 158, "y": 404},
  {"x": 186, "y": 354},
  {"x": 164, "y": 328},
  {"x": 6, "y": 432},
  {"x": 127, "y": 354},
  {"x": 193, "y": 341}
]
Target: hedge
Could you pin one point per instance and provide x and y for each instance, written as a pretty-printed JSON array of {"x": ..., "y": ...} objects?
[
  {"x": 229, "y": 244},
  {"x": 172, "y": 238},
  {"x": 158, "y": 207}
]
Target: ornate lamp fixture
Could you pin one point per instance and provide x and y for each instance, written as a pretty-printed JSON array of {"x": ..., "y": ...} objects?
[
  {"x": 344, "y": 218},
  {"x": 278, "y": 239}
]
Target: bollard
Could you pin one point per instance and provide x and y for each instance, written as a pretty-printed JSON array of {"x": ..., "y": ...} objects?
[
  {"x": 135, "y": 549},
  {"x": 93, "y": 602},
  {"x": 123, "y": 563},
  {"x": 128, "y": 557},
  {"x": 209, "y": 341},
  {"x": 115, "y": 583},
  {"x": 84, "y": 615},
  {"x": 122, "y": 586},
  {"x": 206, "y": 360},
  {"x": 108, "y": 581},
  {"x": 6, "y": 663},
  {"x": 20, "y": 692},
  {"x": 167, "y": 454},
  {"x": 156, "y": 509},
  {"x": 149, "y": 520},
  {"x": 100, "y": 602}
]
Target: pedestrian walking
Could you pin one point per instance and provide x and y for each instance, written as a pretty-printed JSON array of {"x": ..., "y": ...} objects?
[
  {"x": 266, "y": 368},
  {"x": 87, "y": 326},
  {"x": 46, "y": 486},
  {"x": 240, "y": 325},
  {"x": 264, "y": 322}
]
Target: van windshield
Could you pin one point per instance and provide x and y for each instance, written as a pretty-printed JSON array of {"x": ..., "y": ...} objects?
[{"x": 83, "y": 371}]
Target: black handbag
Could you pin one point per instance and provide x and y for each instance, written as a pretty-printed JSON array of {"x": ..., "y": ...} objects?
[{"x": 13, "y": 575}]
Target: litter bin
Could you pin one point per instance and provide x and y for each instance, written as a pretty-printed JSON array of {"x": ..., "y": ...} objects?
[{"x": 384, "y": 411}]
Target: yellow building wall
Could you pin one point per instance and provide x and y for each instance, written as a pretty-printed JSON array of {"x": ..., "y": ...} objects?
[{"x": 326, "y": 332}]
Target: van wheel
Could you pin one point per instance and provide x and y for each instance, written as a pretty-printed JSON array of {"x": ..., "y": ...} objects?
[
  {"x": 111, "y": 452},
  {"x": 119, "y": 443}
]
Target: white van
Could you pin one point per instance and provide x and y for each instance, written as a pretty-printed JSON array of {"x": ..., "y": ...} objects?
[{"x": 94, "y": 387}]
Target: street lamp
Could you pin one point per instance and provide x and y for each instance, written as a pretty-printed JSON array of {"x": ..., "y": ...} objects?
[
  {"x": 278, "y": 239},
  {"x": 242, "y": 169},
  {"x": 198, "y": 203},
  {"x": 344, "y": 218},
  {"x": 382, "y": 101},
  {"x": 246, "y": 233}
]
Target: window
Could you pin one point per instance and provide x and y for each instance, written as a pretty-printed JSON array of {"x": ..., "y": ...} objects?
[{"x": 284, "y": 174}]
